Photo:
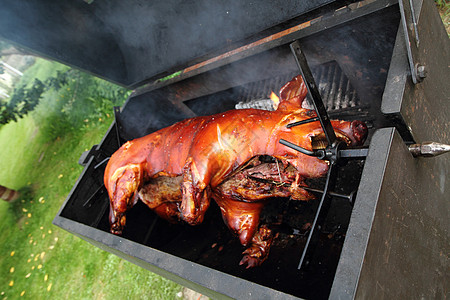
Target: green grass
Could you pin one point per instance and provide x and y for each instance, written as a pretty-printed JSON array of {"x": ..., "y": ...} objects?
[
  {"x": 444, "y": 11},
  {"x": 37, "y": 259}
]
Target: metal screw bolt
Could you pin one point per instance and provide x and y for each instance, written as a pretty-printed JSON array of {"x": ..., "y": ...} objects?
[{"x": 421, "y": 72}]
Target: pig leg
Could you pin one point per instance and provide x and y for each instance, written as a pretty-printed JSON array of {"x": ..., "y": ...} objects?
[
  {"x": 163, "y": 196},
  {"x": 195, "y": 195},
  {"x": 242, "y": 218},
  {"x": 124, "y": 185}
]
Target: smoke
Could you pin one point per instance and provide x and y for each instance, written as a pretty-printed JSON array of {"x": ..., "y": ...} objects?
[{"x": 164, "y": 36}]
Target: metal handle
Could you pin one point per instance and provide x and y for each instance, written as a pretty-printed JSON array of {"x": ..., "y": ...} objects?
[
  {"x": 428, "y": 149},
  {"x": 297, "y": 148}
]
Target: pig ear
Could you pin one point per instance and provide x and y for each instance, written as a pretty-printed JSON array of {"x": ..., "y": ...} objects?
[{"x": 292, "y": 94}]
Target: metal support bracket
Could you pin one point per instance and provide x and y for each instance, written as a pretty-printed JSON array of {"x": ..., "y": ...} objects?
[
  {"x": 332, "y": 153},
  {"x": 409, "y": 22},
  {"x": 319, "y": 219},
  {"x": 314, "y": 92},
  {"x": 118, "y": 125}
]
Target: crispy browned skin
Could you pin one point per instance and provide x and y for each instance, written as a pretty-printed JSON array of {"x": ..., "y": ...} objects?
[{"x": 176, "y": 170}]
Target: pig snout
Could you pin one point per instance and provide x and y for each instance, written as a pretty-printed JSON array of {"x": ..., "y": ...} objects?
[{"x": 359, "y": 131}]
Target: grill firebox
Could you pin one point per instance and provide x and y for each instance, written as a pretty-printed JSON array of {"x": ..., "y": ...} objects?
[
  {"x": 358, "y": 56},
  {"x": 212, "y": 245},
  {"x": 353, "y": 86}
]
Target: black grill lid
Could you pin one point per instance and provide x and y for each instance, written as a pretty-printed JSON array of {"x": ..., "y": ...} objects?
[{"x": 130, "y": 42}]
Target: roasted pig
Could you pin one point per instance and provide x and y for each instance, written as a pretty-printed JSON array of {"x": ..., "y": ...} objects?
[{"x": 234, "y": 158}]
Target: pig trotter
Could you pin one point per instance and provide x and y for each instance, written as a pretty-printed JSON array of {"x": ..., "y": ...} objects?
[
  {"x": 259, "y": 248},
  {"x": 117, "y": 224}
]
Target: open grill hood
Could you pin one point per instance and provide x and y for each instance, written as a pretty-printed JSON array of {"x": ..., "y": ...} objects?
[
  {"x": 136, "y": 41},
  {"x": 390, "y": 241}
]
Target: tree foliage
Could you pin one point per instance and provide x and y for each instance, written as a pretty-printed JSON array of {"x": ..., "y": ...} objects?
[{"x": 24, "y": 99}]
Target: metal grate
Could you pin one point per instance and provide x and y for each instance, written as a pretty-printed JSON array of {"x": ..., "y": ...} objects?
[{"x": 334, "y": 87}]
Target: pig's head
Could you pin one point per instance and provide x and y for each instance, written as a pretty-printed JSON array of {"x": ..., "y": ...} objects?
[{"x": 311, "y": 136}]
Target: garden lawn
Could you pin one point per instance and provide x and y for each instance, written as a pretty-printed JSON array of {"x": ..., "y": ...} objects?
[{"x": 37, "y": 259}]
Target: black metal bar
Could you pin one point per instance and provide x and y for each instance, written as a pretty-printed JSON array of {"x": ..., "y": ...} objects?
[
  {"x": 332, "y": 194},
  {"x": 116, "y": 118},
  {"x": 409, "y": 22},
  {"x": 302, "y": 122},
  {"x": 99, "y": 217},
  {"x": 314, "y": 92},
  {"x": 353, "y": 153},
  {"x": 95, "y": 195},
  {"x": 298, "y": 148},
  {"x": 101, "y": 163},
  {"x": 320, "y": 216},
  {"x": 322, "y": 153},
  {"x": 150, "y": 230}
]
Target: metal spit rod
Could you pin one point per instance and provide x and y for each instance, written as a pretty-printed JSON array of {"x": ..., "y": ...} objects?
[{"x": 314, "y": 92}]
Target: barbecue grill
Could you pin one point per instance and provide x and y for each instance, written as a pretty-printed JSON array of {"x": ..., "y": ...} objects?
[{"x": 379, "y": 226}]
